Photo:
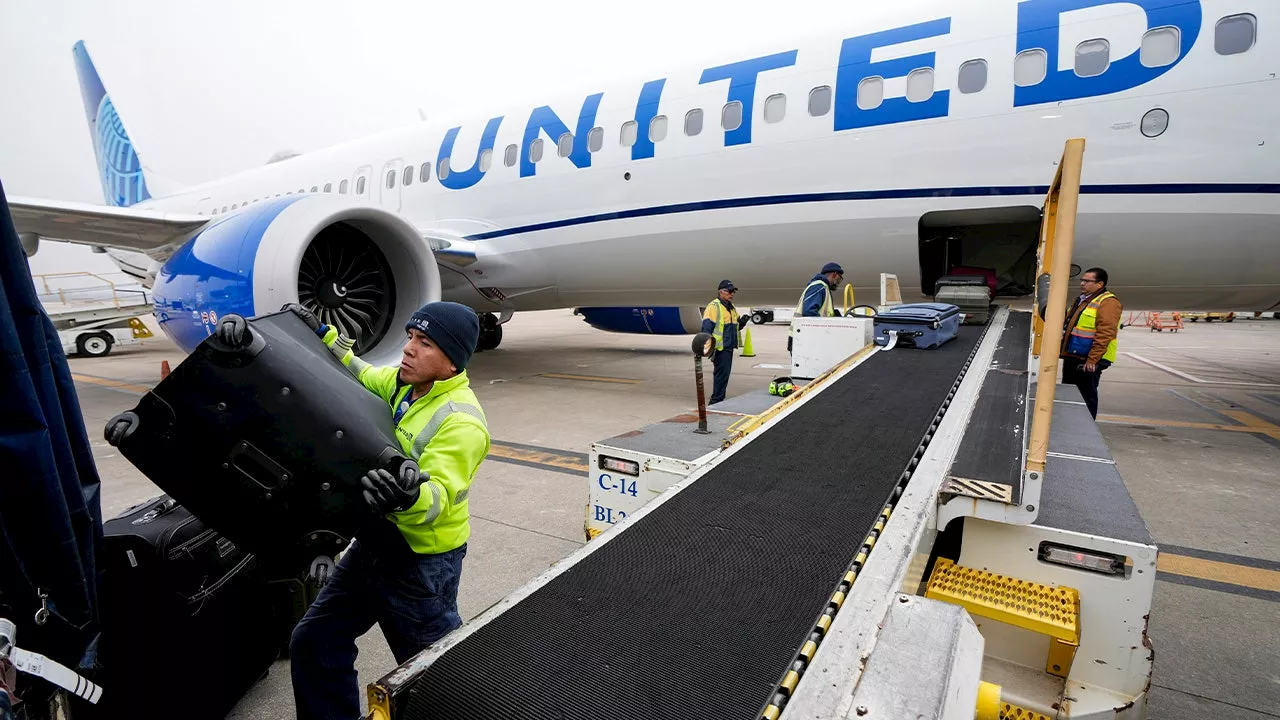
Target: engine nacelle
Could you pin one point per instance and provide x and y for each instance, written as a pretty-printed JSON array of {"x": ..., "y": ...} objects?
[
  {"x": 643, "y": 320},
  {"x": 360, "y": 268}
]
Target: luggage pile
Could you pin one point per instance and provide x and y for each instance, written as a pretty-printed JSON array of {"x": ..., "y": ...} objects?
[{"x": 970, "y": 293}]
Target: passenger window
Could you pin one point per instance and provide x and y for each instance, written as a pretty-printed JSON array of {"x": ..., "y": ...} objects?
[
  {"x": 595, "y": 139},
  {"x": 658, "y": 128},
  {"x": 391, "y": 179},
  {"x": 234, "y": 206},
  {"x": 973, "y": 76},
  {"x": 820, "y": 100},
  {"x": 1093, "y": 57},
  {"x": 486, "y": 159},
  {"x": 775, "y": 108},
  {"x": 564, "y": 146},
  {"x": 360, "y": 185},
  {"x": 424, "y": 172},
  {"x": 224, "y": 208},
  {"x": 1160, "y": 46},
  {"x": 442, "y": 169},
  {"x": 509, "y": 158},
  {"x": 731, "y": 116},
  {"x": 1235, "y": 34},
  {"x": 629, "y": 133},
  {"x": 693, "y": 122},
  {"x": 1030, "y": 67},
  {"x": 342, "y": 188},
  {"x": 315, "y": 188},
  {"x": 535, "y": 150},
  {"x": 328, "y": 187},
  {"x": 408, "y": 176},
  {"x": 920, "y": 85},
  {"x": 870, "y": 93}
]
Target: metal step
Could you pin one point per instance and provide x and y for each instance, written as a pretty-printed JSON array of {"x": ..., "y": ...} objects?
[{"x": 1052, "y": 611}]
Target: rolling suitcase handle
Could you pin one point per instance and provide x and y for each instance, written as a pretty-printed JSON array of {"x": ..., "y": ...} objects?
[{"x": 258, "y": 467}]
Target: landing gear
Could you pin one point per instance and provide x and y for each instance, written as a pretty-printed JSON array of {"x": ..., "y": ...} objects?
[{"x": 490, "y": 332}]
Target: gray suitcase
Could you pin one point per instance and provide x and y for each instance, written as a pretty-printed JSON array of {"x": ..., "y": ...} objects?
[{"x": 970, "y": 293}]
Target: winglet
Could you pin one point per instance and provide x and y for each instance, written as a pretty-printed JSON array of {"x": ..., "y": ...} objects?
[{"x": 119, "y": 168}]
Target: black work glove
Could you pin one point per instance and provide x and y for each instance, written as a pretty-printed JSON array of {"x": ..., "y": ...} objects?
[
  {"x": 742, "y": 321},
  {"x": 307, "y": 316},
  {"x": 386, "y": 493},
  {"x": 120, "y": 427},
  {"x": 233, "y": 331}
]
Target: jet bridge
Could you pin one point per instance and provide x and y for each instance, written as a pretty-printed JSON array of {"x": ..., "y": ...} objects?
[{"x": 876, "y": 548}]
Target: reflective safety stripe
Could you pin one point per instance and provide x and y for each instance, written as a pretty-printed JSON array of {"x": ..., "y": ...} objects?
[
  {"x": 718, "y": 332},
  {"x": 433, "y": 425},
  {"x": 343, "y": 346},
  {"x": 825, "y": 310},
  {"x": 1086, "y": 327},
  {"x": 437, "y": 503}
]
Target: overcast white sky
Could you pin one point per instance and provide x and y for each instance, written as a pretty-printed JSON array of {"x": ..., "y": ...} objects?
[{"x": 211, "y": 89}]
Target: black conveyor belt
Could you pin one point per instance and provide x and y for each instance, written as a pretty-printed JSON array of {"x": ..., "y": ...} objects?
[
  {"x": 991, "y": 451},
  {"x": 698, "y": 608}
]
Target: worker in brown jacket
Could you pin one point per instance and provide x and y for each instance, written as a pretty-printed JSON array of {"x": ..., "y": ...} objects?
[{"x": 1089, "y": 336}]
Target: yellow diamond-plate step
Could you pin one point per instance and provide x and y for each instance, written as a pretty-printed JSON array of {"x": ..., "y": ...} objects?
[
  {"x": 1013, "y": 712},
  {"x": 1052, "y": 611}
]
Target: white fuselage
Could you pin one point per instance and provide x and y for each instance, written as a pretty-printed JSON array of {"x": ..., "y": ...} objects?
[{"x": 1188, "y": 218}]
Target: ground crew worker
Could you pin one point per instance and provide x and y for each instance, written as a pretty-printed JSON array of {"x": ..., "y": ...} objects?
[
  {"x": 1089, "y": 336},
  {"x": 816, "y": 300},
  {"x": 721, "y": 319},
  {"x": 402, "y": 571}
]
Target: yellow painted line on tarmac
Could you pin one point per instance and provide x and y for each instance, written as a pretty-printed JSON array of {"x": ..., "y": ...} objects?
[
  {"x": 591, "y": 378},
  {"x": 1264, "y": 428},
  {"x": 109, "y": 383},
  {"x": 1257, "y": 578},
  {"x": 1253, "y": 421},
  {"x": 537, "y": 456}
]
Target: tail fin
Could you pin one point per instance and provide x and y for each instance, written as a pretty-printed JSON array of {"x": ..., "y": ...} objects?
[{"x": 119, "y": 168}]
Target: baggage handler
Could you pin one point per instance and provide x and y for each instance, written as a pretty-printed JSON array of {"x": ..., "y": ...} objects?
[
  {"x": 722, "y": 322},
  {"x": 1089, "y": 337},
  {"x": 401, "y": 573}
]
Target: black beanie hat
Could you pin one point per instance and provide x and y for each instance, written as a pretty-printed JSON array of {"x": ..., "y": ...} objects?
[{"x": 454, "y": 328}]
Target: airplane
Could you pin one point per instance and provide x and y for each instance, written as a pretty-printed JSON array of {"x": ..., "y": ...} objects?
[{"x": 910, "y": 139}]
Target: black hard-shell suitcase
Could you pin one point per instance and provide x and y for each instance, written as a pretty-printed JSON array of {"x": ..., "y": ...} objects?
[
  {"x": 267, "y": 443},
  {"x": 186, "y": 616}
]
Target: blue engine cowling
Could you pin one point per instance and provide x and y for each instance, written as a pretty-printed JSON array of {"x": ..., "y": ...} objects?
[
  {"x": 290, "y": 249},
  {"x": 643, "y": 320}
]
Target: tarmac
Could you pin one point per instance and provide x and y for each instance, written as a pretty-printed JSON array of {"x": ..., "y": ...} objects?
[{"x": 1192, "y": 419}]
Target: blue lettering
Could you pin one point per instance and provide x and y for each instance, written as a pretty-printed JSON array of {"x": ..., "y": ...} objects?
[
  {"x": 646, "y": 109},
  {"x": 1038, "y": 26},
  {"x": 856, "y": 65},
  {"x": 600, "y": 513},
  {"x": 544, "y": 118},
  {"x": 742, "y": 87},
  {"x": 461, "y": 179},
  {"x": 601, "y": 481}
]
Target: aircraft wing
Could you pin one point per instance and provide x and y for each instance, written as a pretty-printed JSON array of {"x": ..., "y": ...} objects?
[{"x": 154, "y": 233}]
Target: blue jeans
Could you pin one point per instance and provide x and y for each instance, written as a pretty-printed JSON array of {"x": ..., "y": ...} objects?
[{"x": 414, "y": 598}]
